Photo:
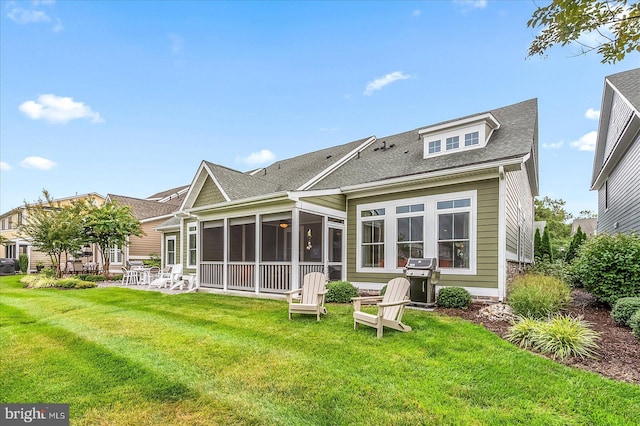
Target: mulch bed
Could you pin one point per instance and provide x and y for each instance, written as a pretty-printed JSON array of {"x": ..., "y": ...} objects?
[{"x": 619, "y": 354}]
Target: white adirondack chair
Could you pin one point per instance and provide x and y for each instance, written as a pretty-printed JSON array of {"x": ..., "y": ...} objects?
[
  {"x": 311, "y": 300},
  {"x": 390, "y": 307},
  {"x": 168, "y": 278}
]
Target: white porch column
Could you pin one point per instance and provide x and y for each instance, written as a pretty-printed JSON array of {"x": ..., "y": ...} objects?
[
  {"x": 258, "y": 239},
  {"x": 225, "y": 254},
  {"x": 295, "y": 248}
]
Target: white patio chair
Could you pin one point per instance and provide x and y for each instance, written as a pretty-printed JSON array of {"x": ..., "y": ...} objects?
[
  {"x": 129, "y": 276},
  {"x": 390, "y": 307},
  {"x": 168, "y": 278}
]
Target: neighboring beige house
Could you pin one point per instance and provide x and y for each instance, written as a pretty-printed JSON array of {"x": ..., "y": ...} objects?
[
  {"x": 588, "y": 225},
  {"x": 460, "y": 191},
  {"x": 151, "y": 212},
  {"x": 16, "y": 244}
]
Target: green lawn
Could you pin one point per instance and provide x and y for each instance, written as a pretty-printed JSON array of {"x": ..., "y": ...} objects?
[{"x": 122, "y": 356}]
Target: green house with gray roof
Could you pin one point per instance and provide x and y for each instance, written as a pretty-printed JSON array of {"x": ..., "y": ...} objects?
[{"x": 460, "y": 191}]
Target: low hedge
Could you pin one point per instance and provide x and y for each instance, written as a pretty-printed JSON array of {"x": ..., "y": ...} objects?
[{"x": 634, "y": 323}]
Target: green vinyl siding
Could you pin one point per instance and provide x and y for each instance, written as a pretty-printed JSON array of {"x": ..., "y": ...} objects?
[
  {"x": 209, "y": 194},
  {"x": 336, "y": 202},
  {"x": 486, "y": 230}
]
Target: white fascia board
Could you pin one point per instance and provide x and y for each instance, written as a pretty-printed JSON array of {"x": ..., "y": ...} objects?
[
  {"x": 192, "y": 187},
  {"x": 296, "y": 195},
  {"x": 168, "y": 197},
  {"x": 486, "y": 117},
  {"x": 432, "y": 175},
  {"x": 151, "y": 219},
  {"x": 326, "y": 172}
]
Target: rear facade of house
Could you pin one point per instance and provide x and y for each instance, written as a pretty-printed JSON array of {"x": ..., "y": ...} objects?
[{"x": 460, "y": 191}]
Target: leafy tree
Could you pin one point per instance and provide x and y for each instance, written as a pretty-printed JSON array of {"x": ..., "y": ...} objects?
[
  {"x": 54, "y": 229},
  {"x": 110, "y": 225},
  {"x": 617, "y": 22},
  {"x": 3, "y": 240},
  {"x": 587, "y": 214},
  {"x": 578, "y": 238}
]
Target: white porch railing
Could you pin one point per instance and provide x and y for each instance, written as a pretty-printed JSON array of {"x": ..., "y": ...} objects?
[
  {"x": 275, "y": 277},
  {"x": 306, "y": 268},
  {"x": 211, "y": 274},
  {"x": 241, "y": 276}
]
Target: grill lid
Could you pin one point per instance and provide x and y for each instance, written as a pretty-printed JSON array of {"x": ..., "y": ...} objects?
[{"x": 422, "y": 263}]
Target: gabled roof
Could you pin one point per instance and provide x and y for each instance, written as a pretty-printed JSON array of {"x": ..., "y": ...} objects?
[
  {"x": 167, "y": 193},
  {"x": 625, "y": 88},
  {"x": 144, "y": 209},
  {"x": 402, "y": 154}
]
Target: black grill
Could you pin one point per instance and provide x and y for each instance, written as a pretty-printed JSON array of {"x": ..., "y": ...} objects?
[{"x": 423, "y": 276}]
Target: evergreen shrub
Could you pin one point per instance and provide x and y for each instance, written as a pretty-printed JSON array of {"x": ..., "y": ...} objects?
[
  {"x": 454, "y": 297},
  {"x": 340, "y": 292},
  {"x": 23, "y": 262},
  {"x": 634, "y": 323},
  {"x": 624, "y": 308},
  {"x": 609, "y": 266}
]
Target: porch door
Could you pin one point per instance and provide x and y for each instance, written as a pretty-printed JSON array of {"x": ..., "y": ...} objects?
[{"x": 336, "y": 253}]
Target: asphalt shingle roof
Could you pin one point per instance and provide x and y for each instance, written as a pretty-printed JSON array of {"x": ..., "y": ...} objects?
[
  {"x": 628, "y": 83},
  {"x": 144, "y": 209}
]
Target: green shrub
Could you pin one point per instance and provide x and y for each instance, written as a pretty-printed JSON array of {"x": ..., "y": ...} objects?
[
  {"x": 49, "y": 272},
  {"x": 96, "y": 278},
  {"x": 634, "y": 323},
  {"x": 340, "y": 292},
  {"x": 537, "y": 296},
  {"x": 67, "y": 283},
  {"x": 454, "y": 297},
  {"x": 154, "y": 260},
  {"x": 85, "y": 284},
  {"x": 383, "y": 290},
  {"x": 557, "y": 269},
  {"x": 23, "y": 262},
  {"x": 560, "y": 336},
  {"x": 624, "y": 308},
  {"x": 565, "y": 336},
  {"x": 41, "y": 281},
  {"x": 609, "y": 266}
]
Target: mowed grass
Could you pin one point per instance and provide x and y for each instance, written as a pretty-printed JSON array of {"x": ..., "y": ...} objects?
[{"x": 128, "y": 357}]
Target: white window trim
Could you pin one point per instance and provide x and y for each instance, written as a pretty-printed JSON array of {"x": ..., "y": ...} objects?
[
  {"x": 175, "y": 250},
  {"x": 430, "y": 237},
  {"x": 189, "y": 234},
  {"x": 112, "y": 251}
]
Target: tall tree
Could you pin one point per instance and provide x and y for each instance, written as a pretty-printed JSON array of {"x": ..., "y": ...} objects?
[
  {"x": 616, "y": 22},
  {"x": 578, "y": 238},
  {"x": 54, "y": 229},
  {"x": 557, "y": 219},
  {"x": 537, "y": 245},
  {"x": 545, "y": 248},
  {"x": 109, "y": 226}
]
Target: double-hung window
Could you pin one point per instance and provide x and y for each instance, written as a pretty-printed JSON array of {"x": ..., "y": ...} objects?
[
  {"x": 372, "y": 231},
  {"x": 454, "y": 236},
  {"x": 170, "y": 250},
  {"x": 409, "y": 233},
  {"x": 453, "y": 142},
  {"x": 192, "y": 245}
]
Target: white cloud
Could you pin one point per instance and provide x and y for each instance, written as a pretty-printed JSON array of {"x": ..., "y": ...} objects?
[
  {"x": 176, "y": 43},
  {"x": 58, "y": 26},
  {"x": 58, "y": 109},
  {"x": 416, "y": 12},
  {"x": 553, "y": 145},
  {"x": 261, "y": 157},
  {"x": 586, "y": 142},
  {"x": 23, "y": 16},
  {"x": 472, "y": 4},
  {"x": 5, "y": 167},
  {"x": 379, "y": 83},
  {"x": 592, "y": 114},
  {"x": 37, "y": 163}
]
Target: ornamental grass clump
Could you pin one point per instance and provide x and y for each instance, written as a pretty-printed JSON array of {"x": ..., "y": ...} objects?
[
  {"x": 560, "y": 336},
  {"x": 624, "y": 308},
  {"x": 41, "y": 281},
  {"x": 538, "y": 296}
]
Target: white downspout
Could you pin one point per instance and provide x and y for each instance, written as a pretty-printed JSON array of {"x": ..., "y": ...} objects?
[{"x": 502, "y": 235}]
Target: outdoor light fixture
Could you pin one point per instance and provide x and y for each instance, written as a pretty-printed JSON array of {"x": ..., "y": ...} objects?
[{"x": 284, "y": 225}]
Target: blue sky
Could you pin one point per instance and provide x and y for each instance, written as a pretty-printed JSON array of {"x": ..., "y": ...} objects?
[{"x": 129, "y": 97}]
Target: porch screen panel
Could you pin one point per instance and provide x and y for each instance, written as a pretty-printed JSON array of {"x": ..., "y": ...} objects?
[
  {"x": 242, "y": 246},
  {"x": 311, "y": 227},
  {"x": 276, "y": 241},
  {"x": 212, "y": 244}
]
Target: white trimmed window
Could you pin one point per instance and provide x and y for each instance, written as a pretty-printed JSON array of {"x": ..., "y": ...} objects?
[
  {"x": 471, "y": 139},
  {"x": 170, "y": 250},
  {"x": 373, "y": 238},
  {"x": 434, "y": 146},
  {"x": 440, "y": 226},
  {"x": 192, "y": 245},
  {"x": 115, "y": 255},
  {"x": 453, "y": 143}
]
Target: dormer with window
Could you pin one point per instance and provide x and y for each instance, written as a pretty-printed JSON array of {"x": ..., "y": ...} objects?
[{"x": 460, "y": 135}]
